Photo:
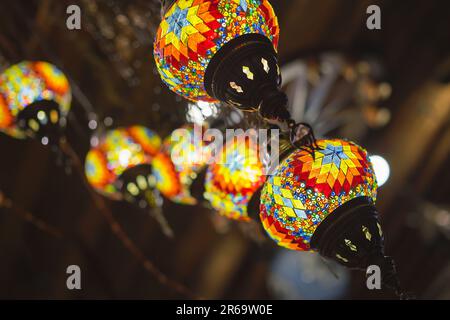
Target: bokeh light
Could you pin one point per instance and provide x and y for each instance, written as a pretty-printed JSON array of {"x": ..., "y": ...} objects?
[{"x": 381, "y": 168}]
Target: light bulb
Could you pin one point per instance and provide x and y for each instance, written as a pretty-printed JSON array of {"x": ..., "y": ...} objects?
[{"x": 381, "y": 168}]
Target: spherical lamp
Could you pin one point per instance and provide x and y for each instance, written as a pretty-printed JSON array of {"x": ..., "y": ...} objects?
[
  {"x": 324, "y": 201},
  {"x": 34, "y": 101},
  {"x": 182, "y": 159},
  {"x": 234, "y": 177},
  {"x": 208, "y": 50},
  {"x": 119, "y": 167}
]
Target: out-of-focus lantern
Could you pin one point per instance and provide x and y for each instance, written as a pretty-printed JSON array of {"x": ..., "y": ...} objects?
[
  {"x": 119, "y": 167},
  {"x": 324, "y": 201},
  {"x": 183, "y": 156},
  {"x": 234, "y": 177},
  {"x": 34, "y": 101}
]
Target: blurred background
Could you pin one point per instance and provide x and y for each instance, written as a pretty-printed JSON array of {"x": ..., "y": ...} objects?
[{"x": 386, "y": 89}]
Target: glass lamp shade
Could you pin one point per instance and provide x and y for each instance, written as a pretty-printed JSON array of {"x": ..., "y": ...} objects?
[
  {"x": 304, "y": 190},
  {"x": 34, "y": 98},
  {"x": 324, "y": 200},
  {"x": 183, "y": 157},
  {"x": 119, "y": 167},
  {"x": 196, "y": 36},
  {"x": 234, "y": 177}
]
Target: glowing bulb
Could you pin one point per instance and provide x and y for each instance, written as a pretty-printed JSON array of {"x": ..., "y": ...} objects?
[
  {"x": 124, "y": 157},
  {"x": 94, "y": 141},
  {"x": 198, "y": 112},
  {"x": 54, "y": 116},
  {"x": 108, "y": 121},
  {"x": 381, "y": 168},
  {"x": 208, "y": 109},
  {"x": 133, "y": 189},
  {"x": 92, "y": 124},
  {"x": 194, "y": 114},
  {"x": 44, "y": 141},
  {"x": 142, "y": 182},
  {"x": 41, "y": 115}
]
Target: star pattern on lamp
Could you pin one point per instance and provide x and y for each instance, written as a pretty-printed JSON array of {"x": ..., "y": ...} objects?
[
  {"x": 333, "y": 154},
  {"x": 235, "y": 161},
  {"x": 177, "y": 21},
  {"x": 334, "y": 167}
]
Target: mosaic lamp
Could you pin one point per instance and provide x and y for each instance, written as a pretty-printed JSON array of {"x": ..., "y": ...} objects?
[
  {"x": 235, "y": 177},
  {"x": 119, "y": 167},
  {"x": 226, "y": 50},
  {"x": 325, "y": 201},
  {"x": 181, "y": 162},
  {"x": 34, "y": 101}
]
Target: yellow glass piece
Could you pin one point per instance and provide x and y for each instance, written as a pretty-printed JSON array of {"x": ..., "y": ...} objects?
[
  {"x": 151, "y": 180},
  {"x": 41, "y": 115},
  {"x": 142, "y": 182},
  {"x": 236, "y": 87},
  {"x": 366, "y": 232},
  {"x": 33, "y": 124},
  {"x": 265, "y": 65},
  {"x": 334, "y": 171},
  {"x": 192, "y": 16},
  {"x": 349, "y": 163},
  {"x": 343, "y": 167},
  {"x": 183, "y": 4},
  {"x": 290, "y": 212},
  {"x": 133, "y": 189},
  {"x": 248, "y": 72},
  {"x": 278, "y": 199},
  {"x": 349, "y": 244},
  {"x": 286, "y": 193},
  {"x": 54, "y": 116},
  {"x": 341, "y": 258},
  {"x": 379, "y": 230},
  {"x": 277, "y": 181},
  {"x": 269, "y": 189},
  {"x": 298, "y": 204}
]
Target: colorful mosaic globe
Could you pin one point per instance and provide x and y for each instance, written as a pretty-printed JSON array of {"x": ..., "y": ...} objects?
[
  {"x": 119, "y": 150},
  {"x": 234, "y": 177},
  {"x": 193, "y": 31},
  {"x": 304, "y": 190},
  {"x": 183, "y": 156},
  {"x": 25, "y": 84}
]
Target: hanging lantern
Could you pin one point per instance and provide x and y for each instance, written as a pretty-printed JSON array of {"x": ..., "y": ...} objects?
[
  {"x": 34, "y": 101},
  {"x": 324, "y": 201},
  {"x": 182, "y": 159},
  {"x": 119, "y": 167},
  {"x": 234, "y": 177},
  {"x": 120, "y": 150},
  {"x": 222, "y": 50}
]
